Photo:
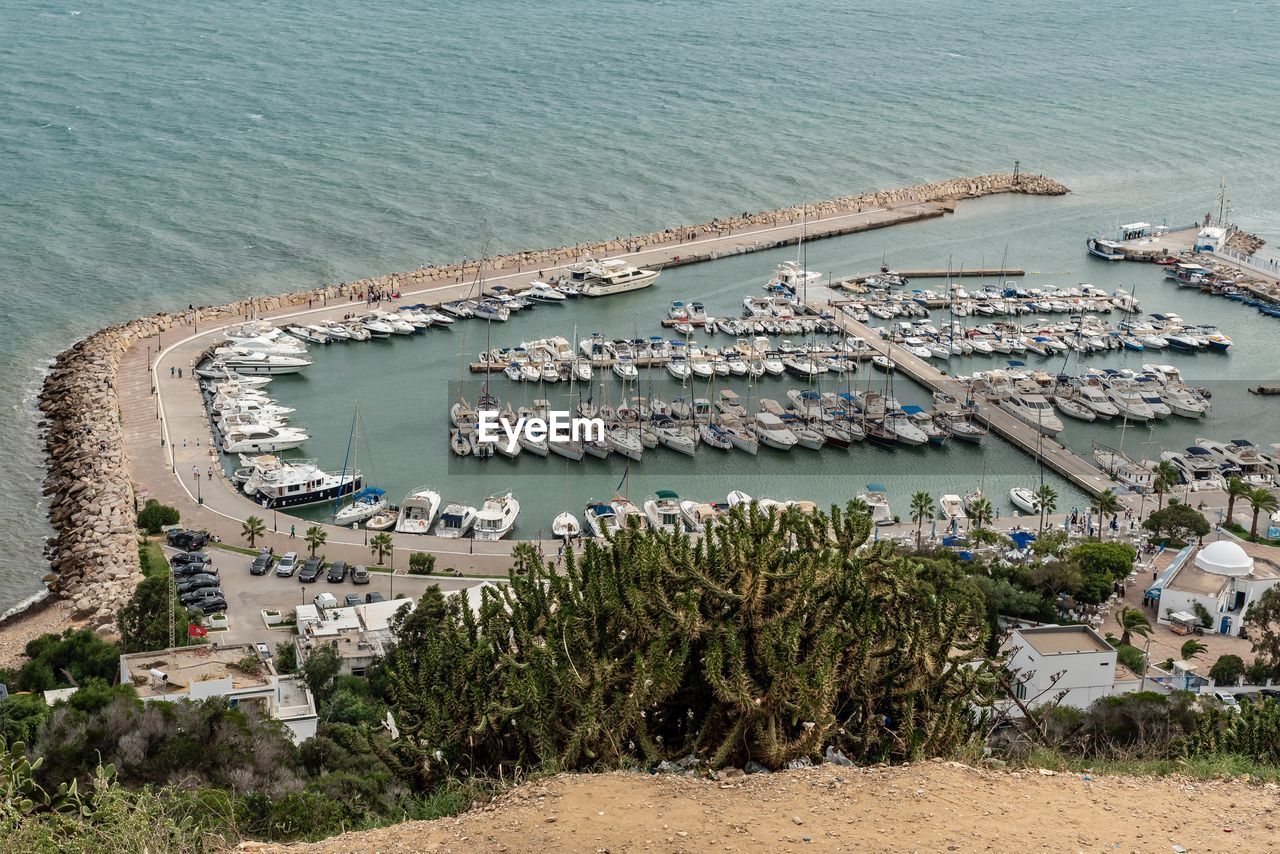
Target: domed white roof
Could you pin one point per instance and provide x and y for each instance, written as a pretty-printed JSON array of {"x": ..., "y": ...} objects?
[{"x": 1224, "y": 558}]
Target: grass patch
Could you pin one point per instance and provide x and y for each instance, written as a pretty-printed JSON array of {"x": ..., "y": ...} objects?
[
  {"x": 237, "y": 549},
  {"x": 151, "y": 556},
  {"x": 1243, "y": 533},
  {"x": 1218, "y": 766}
]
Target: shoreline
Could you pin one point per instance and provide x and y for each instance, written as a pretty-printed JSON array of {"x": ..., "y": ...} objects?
[{"x": 92, "y": 495}]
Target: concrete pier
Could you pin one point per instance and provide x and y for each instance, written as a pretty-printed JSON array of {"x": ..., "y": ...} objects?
[{"x": 1018, "y": 433}]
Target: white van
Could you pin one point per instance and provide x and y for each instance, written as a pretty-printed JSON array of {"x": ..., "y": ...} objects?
[{"x": 325, "y": 601}]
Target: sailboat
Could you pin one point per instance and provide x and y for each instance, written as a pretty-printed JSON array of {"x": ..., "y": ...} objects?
[{"x": 364, "y": 504}]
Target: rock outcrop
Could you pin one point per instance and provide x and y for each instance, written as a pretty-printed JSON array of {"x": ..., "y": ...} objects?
[{"x": 93, "y": 553}]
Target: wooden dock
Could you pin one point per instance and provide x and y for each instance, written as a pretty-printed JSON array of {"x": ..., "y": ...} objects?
[{"x": 1021, "y": 435}]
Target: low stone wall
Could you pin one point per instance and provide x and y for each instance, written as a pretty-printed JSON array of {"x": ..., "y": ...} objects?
[{"x": 93, "y": 553}]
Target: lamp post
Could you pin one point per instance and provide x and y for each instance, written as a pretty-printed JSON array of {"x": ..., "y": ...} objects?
[
  {"x": 1146, "y": 662},
  {"x": 199, "y": 497}
]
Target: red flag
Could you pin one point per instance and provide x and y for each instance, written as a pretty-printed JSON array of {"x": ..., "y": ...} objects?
[{"x": 194, "y": 631}]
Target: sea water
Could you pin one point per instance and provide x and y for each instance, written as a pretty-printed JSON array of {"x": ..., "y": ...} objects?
[{"x": 155, "y": 155}]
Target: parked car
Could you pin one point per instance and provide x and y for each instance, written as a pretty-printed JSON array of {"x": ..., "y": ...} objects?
[
  {"x": 359, "y": 575},
  {"x": 337, "y": 571},
  {"x": 187, "y": 558},
  {"x": 264, "y": 650},
  {"x": 288, "y": 565},
  {"x": 374, "y": 597},
  {"x": 190, "y": 569},
  {"x": 210, "y": 605},
  {"x": 1270, "y": 693},
  {"x": 351, "y": 600},
  {"x": 196, "y": 597},
  {"x": 1227, "y": 699},
  {"x": 263, "y": 563},
  {"x": 197, "y": 582},
  {"x": 325, "y": 600},
  {"x": 1249, "y": 697},
  {"x": 311, "y": 570},
  {"x": 188, "y": 541}
]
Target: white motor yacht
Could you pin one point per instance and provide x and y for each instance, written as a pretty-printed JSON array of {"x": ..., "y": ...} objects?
[
  {"x": 1128, "y": 401},
  {"x": 540, "y": 291},
  {"x": 418, "y": 511},
  {"x": 298, "y": 482},
  {"x": 601, "y": 519},
  {"x": 771, "y": 431},
  {"x": 254, "y": 362},
  {"x": 1096, "y": 399},
  {"x": 615, "y": 276},
  {"x": 250, "y": 439},
  {"x": 1033, "y": 410},
  {"x": 624, "y": 368},
  {"x": 877, "y": 504},
  {"x": 697, "y": 516},
  {"x": 952, "y": 507},
  {"x": 497, "y": 517}
]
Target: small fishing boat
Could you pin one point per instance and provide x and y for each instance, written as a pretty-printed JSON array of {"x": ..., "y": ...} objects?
[
  {"x": 884, "y": 363},
  {"x": 697, "y": 516},
  {"x": 1072, "y": 408},
  {"x": 384, "y": 520},
  {"x": 455, "y": 521},
  {"x": 952, "y": 507},
  {"x": 565, "y": 526},
  {"x": 663, "y": 512},
  {"x": 459, "y": 443}
]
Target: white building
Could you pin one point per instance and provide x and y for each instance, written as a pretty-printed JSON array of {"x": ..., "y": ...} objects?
[
  {"x": 360, "y": 633},
  {"x": 1046, "y": 661},
  {"x": 1225, "y": 578},
  {"x": 235, "y": 672},
  {"x": 1210, "y": 239}
]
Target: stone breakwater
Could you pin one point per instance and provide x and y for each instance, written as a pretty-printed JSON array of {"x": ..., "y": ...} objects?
[{"x": 93, "y": 553}]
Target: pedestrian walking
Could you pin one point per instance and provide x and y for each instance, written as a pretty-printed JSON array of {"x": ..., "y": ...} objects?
[
  {"x": 172, "y": 371},
  {"x": 293, "y": 532},
  {"x": 210, "y": 472},
  {"x": 195, "y": 471}
]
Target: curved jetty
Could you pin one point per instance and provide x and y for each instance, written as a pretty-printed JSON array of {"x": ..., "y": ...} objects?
[{"x": 93, "y": 501}]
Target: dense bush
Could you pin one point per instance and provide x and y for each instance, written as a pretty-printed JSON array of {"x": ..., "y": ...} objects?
[
  {"x": 59, "y": 661},
  {"x": 767, "y": 640},
  {"x": 421, "y": 563},
  {"x": 1227, "y": 670},
  {"x": 155, "y": 517}
]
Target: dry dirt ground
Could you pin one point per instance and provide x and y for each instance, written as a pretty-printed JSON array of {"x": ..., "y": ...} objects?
[
  {"x": 929, "y": 807},
  {"x": 17, "y": 631}
]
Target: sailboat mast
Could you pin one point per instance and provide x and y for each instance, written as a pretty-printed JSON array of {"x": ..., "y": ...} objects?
[{"x": 337, "y": 499}]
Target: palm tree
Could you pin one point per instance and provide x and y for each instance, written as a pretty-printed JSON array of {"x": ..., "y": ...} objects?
[
  {"x": 1261, "y": 500},
  {"x": 1166, "y": 479},
  {"x": 1192, "y": 649},
  {"x": 381, "y": 545},
  {"x": 982, "y": 513},
  {"x": 253, "y": 528},
  {"x": 1132, "y": 622},
  {"x": 315, "y": 538},
  {"x": 1046, "y": 501},
  {"x": 1105, "y": 504},
  {"x": 1236, "y": 488},
  {"x": 921, "y": 512}
]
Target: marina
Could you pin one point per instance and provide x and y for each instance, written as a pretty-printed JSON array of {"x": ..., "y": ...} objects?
[{"x": 824, "y": 396}]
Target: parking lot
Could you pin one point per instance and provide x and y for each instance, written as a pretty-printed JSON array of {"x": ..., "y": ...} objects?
[{"x": 247, "y": 595}]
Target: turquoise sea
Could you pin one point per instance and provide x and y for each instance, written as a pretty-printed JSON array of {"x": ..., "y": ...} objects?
[{"x": 153, "y": 155}]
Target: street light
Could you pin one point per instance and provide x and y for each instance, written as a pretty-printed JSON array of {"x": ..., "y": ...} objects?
[{"x": 199, "y": 498}]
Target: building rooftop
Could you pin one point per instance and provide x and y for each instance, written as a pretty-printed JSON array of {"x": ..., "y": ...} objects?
[
  {"x": 1263, "y": 564},
  {"x": 1064, "y": 640},
  {"x": 190, "y": 665},
  {"x": 293, "y": 700}
]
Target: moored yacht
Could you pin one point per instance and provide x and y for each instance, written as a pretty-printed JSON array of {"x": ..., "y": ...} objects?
[
  {"x": 497, "y": 517},
  {"x": 1033, "y": 410},
  {"x": 663, "y": 512},
  {"x": 299, "y": 482},
  {"x": 368, "y": 502},
  {"x": 455, "y": 521},
  {"x": 603, "y": 278},
  {"x": 418, "y": 511}
]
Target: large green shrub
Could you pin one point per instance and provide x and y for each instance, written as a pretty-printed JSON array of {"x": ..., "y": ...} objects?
[{"x": 155, "y": 517}]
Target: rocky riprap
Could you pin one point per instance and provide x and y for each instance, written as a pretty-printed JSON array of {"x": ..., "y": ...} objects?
[{"x": 93, "y": 553}]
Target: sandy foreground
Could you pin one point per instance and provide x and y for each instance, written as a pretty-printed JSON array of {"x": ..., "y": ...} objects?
[{"x": 928, "y": 807}]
